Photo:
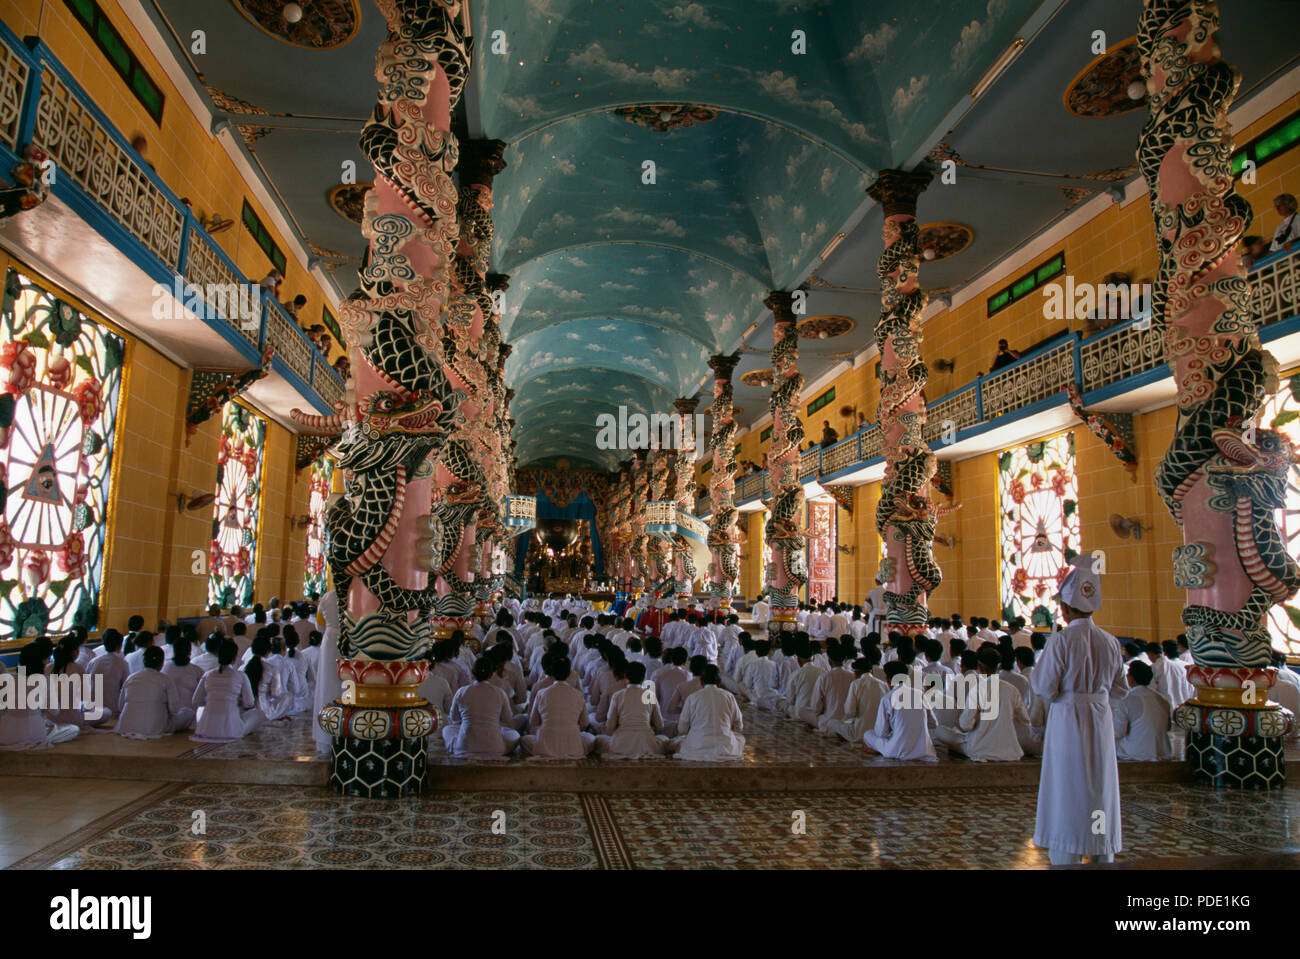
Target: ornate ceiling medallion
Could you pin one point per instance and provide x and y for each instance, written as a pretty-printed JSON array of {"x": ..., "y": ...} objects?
[
  {"x": 666, "y": 116},
  {"x": 759, "y": 378},
  {"x": 823, "y": 327},
  {"x": 1102, "y": 88},
  {"x": 320, "y": 24},
  {"x": 945, "y": 239},
  {"x": 348, "y": 200}
]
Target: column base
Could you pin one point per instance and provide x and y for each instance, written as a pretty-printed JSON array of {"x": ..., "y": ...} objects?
[
  {"x": 378, "y": 768},
  {"x": 1235, "y": 748}
]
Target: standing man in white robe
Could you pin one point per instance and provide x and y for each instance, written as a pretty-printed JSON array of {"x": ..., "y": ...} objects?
[
  {"x": 1081, "y": 668},
  {"x": 328, "y": 685}
]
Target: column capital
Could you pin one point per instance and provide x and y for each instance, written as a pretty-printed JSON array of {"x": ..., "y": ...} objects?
[
  {"x": 685, "y": 406},
  {"x": 480, "y": 161},
  {"x": 782, "y": 305},
  {"x": 497, "y": 281},
  {"x": 723, "y": 365},
  {"x": 505, "y": 349},
  {"x": 897, "y": 190}
]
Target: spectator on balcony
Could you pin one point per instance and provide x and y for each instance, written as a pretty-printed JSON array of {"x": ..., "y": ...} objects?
[
  {"x": 1254, "y": 249},
  {"x": 324, "y": 343},
  {"x": 343, "y": 367},
  {"x": 1006, "y": 356},
  {"x": 271, "y": 283},
  {"x": 298, "y": 303},
  {"x": 862, "y": 422},
  {"x": 314, "y": 333},
  {"x": 829, "y": 436},
  {"x": 1288, "y": 231}
]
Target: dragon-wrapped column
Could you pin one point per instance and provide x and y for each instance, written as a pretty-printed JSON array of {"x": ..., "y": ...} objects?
[
  {"x": 724, "y": 566},
  {"x": 683, "y": 464},
  {"x": 400, "y": 406},
  {"x": 905, "y": 516},
  {"x": 787, "y": 544},
  {"x": 1223, "y": 477}
]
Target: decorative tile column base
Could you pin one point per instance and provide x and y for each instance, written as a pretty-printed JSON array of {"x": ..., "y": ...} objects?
[
  {"x": 1233, "y": 747},
  {"x": 378, "y": 768}
]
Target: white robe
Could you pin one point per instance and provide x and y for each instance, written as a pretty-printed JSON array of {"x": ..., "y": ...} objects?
[
  {"x": 229, "y": 711},
  {"x": 709, "y": 729},
  {"x": 151, "y": 708},
  {"x": 562, "y": 713},
  {"x": 634, "y": 720},
  {"x": 480, "y": 724},
  {"x": 860, "y": 708},
  {"x": 328, "y": 685},
  {"x": 1080, "y": 669},
  {"x": 32, "y": 729},
  {"x": 902, "y": 730},
  {"x": 992, "y": 737},
  {"x": 112, "y": 666},
  {"x": 1142, "y": 724}
]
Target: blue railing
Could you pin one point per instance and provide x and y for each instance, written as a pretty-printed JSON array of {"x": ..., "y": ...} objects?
[
  {"x": 98, "y": 174},
  {"x": 1120, "y": 358}
]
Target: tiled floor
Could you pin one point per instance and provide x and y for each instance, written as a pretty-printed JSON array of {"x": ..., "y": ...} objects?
[{"x": 280, "y": 827}]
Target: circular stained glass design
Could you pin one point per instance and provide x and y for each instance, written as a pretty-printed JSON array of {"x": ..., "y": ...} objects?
[
  {"x": 62, "y": 372},
  {"x": 232, "y": 558},
  {"x": 1282, "y": 413},
  {"x": 1038, "y": 493}
]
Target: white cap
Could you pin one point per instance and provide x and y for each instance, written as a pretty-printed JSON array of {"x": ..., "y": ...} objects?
[{"x": 1082, "y": 588}]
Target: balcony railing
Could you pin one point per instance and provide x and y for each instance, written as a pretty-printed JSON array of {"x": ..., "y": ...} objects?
[
  {"x": 1109, "y": 361},
  {"x": 97, "y": 172}
]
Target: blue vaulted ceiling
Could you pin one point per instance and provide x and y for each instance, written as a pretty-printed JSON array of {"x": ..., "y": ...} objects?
[{"x": 620, "y": 289}]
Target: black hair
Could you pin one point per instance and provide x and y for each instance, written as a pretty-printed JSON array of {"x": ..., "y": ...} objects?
[
  {"x": 180, "y": 652},
  {"x": 154, "y": 657},
  {"x": 710, "y": 676},
  {"x": 227, "y": 653},
  {"x": 1142, "y": 673},
  {"x": 111, "y": 640},
  {"x": 254, "y": 669},
  {"x": 484, "y": 667}
]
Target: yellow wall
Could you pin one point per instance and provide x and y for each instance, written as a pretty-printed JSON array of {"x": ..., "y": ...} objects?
[{"x": 187, "y": 157}]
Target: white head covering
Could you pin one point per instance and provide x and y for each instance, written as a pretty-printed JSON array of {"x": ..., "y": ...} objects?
[{"x": 1082, "y": 588}]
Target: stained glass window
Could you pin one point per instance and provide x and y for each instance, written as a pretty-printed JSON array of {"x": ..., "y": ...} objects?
[
  {"x": 322, "y": 478},
  {"x": 58, "y": 419},
  {"x": 1038, "y": 494},
  {"x": 232, "y": 562},
  {"x": 1282, "y": 413}
]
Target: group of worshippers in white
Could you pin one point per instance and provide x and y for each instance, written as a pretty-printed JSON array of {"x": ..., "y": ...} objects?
[
  {"x": 252, "y": 668},
  {"x": 563, "y": 687}
]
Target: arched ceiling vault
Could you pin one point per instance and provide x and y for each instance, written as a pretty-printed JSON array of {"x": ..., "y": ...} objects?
[{"x": 670, "y": 164}]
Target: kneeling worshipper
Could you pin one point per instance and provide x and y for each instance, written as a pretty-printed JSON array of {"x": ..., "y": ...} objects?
[
  {"x": 182, "y": 671},
  {"x": 150, "y": 707},
  {"x": 986, "y": 729},
  {"x": 1081, "y": 668},
  {"x": 562, "y": 714},
  {"x": 28, "y": 728},
  {"x": 481, "y": 723},
  {"x": 1143, "y": 719},
  {"x": 863, "y": 703},
  {"x": 903, "y": 726},
  {"x": 224, "y": 698},
  {"x": 634, "y": 720},
  {"x": 709, "y": 729},
  {"x": 65, "y": 664}
]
